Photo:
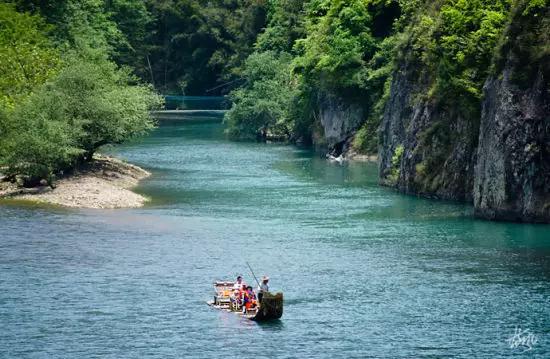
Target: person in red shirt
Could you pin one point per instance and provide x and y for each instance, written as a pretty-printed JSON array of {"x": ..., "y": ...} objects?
[{"x": 249, "y": 299}]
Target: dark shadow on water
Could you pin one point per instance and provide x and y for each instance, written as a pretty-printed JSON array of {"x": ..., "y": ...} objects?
[
  {"x": 276, "y": 325},
  {"x": 297, "y": 301}
]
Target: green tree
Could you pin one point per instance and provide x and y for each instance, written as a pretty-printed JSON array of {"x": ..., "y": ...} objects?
[
  {"x": 39, "y": 141},
  {"x": 133, "y": 19},
  {"x": 52, "y": 11},
  {"x": 338, "y": 43},
  {"x": 198, "y": 45},
  {"x": 285, "y": 25},
  {"x": 27, "y": 55},
  {"x": 120, "y": 25},
  {"x": 265, "y": 101},
  {"x": 90, "y": 103},
  {"x": 105, "y": 102},
  {"x": 78, "y": 21}
]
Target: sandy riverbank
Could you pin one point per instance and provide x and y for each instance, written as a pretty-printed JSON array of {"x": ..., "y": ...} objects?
[
  {"x": 106, "y": 182},
  {"x": 353, "y": 156}
]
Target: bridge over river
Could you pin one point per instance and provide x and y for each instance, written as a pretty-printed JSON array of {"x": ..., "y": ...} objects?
[
  {"x": 187, "y": 115},
  {"x": 192, "y": 108}
]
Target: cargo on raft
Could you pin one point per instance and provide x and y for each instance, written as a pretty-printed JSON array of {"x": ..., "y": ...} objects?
[{"x": 270, "y": 307}]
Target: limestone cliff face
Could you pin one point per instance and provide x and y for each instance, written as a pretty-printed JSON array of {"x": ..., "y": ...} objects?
[
  {"x": 512, "y": 174},
  {"x": 497, "y": 158},
  {"x": 424, "y": 150},
  {"x": 339, "y": 120},
  {"x": 503, "y": 165}
]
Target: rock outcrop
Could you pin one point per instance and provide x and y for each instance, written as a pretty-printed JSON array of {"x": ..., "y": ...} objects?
[
  {"x": 499, "y": 158},
  {"x": 339, "y": 119},
  {"x": 512, "y": 175},
  {"x": 424, "y": 150}
]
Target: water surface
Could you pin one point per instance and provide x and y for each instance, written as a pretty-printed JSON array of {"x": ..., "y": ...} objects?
[{"x": 366, "y": 272}]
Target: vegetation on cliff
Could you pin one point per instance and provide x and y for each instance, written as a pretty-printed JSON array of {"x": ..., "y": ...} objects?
[
  {"x": 418, "y": 70},
  {"x": 341, "y": 47},
  {"x": 354, "y": 48}
]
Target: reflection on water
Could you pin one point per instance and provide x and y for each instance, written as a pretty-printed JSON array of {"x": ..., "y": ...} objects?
[{"x": 366, "y": 272}]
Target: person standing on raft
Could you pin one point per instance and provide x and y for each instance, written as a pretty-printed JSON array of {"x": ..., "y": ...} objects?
[{"x": 263, "y": 287}]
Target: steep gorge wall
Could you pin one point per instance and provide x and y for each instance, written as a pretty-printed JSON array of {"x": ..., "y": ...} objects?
[
  {"x": 512, "y": 175},
  {"x": 424, "y": 149},
  {"x": 438, "y": 136},
  {"x": 500, "y": 160}
]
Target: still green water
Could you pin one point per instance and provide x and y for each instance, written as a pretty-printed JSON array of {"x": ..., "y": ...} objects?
[{"x": 366, "y": 272}]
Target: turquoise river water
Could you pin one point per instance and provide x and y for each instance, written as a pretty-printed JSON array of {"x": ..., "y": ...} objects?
[{"x": 366, "y": 272}]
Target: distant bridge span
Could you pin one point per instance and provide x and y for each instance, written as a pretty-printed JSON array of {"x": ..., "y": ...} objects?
[{"x": 186, "y": 115}]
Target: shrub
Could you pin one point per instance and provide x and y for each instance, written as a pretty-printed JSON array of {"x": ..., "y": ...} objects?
[
  {"x": 27, "y": 56},
  {"x": 396, "y": 163},
  {"x": 90, "y": 103},
  {"x": 265, "y": 100}
]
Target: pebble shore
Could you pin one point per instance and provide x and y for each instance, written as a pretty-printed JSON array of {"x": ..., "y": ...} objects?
[{"x": 105, "y": 182}]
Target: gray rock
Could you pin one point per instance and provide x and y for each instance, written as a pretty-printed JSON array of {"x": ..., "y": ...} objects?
[
  {"x": 436, "y": 140},
  {"x": 513, "y": 168},
  {"x": 340, "y": 119}
]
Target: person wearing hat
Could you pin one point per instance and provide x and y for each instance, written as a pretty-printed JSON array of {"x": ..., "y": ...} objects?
[{"x": 263, "y": 288}]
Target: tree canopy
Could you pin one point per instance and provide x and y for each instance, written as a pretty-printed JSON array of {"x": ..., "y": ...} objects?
[
  {"x": 83, "y": 71},
  {"x": 352, "y": 48},
  {"x": 27, "y": 55},
  {"x": 64, "y": 96}
]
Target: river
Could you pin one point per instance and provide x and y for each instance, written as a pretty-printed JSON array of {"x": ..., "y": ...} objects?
[{"x": 366, "y": 272}]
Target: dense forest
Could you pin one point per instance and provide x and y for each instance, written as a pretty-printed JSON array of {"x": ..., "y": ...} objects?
[
  {"x": 79, "y": 74},
  {"x": 434, "y": 88},
  {"x": 62, "y": 95}
]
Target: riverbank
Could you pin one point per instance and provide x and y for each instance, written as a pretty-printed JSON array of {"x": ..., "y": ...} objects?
[
  {"x": 359, "y": 157},
  {"x": 105, "y": 182}
]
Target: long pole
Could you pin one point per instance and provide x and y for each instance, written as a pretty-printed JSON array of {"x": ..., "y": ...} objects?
[
  {"x": 251, "y": 271},
  {"x": 256, "y": 279}
]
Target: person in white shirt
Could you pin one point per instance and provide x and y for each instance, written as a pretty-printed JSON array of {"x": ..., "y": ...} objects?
[
  {"x": 239, "y": 283},
  {"x": 263, "y": 288}
]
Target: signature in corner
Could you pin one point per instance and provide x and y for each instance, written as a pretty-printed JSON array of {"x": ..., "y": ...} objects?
[{"x": 523, "y": 338}]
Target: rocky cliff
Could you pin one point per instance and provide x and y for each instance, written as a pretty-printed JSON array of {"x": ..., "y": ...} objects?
[
  {"x": 339, "y": 120},
  {"x": 425, "y": 149},
  {"x": 512, "y": 174},
  {"x": 499, "y": 159}
]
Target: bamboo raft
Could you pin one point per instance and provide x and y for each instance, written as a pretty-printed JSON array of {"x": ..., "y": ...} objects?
[{"x": 271, "y": 307}]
